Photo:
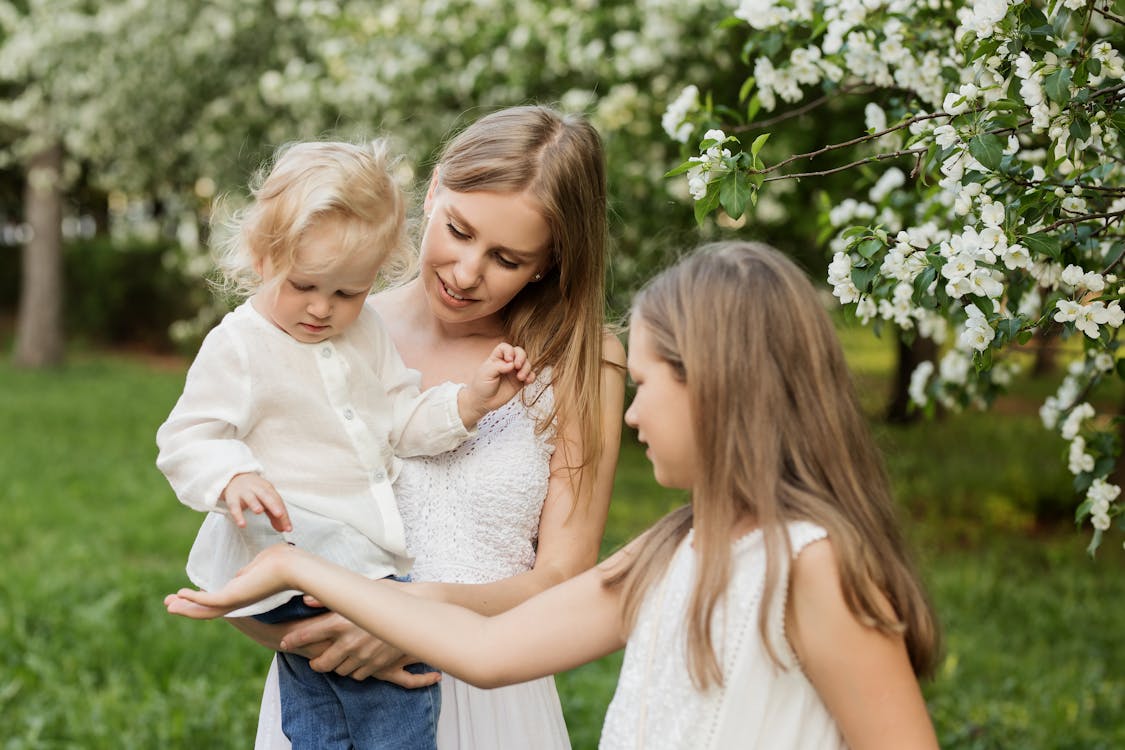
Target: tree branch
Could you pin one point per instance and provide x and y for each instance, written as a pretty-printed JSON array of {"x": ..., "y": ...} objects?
[
  {"x": 1082, "y": 218},
  {"x": 1110, "y": 16},
  {"x": 856, "y": 141},
  {"x": 844, "y": 168},
  {"x": 750, "y": 126}
]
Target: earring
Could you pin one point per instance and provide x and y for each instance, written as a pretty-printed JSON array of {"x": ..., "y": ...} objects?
[{"x": 536, "y": 277}]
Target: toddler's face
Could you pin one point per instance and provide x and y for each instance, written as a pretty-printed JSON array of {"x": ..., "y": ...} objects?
[{"x": 320, "y": 296}]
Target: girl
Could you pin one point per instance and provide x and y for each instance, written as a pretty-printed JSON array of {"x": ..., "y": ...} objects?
[
  {"x": 296, "y": 406},
  {"x": 514, "y": 245},
  {"x": 776, "y": 610}
]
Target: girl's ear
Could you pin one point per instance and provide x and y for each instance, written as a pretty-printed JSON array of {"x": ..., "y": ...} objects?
[{"x": 427, "y": 205}]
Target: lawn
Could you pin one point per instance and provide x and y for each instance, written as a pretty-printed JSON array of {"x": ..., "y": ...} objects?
[{"x": 91, "y": 538}]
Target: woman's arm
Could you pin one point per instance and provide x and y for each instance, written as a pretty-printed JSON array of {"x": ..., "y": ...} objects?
[
  {"x": 863, "y": 676},
  {"x": 569, "y": 625},
  {"x": 570, "y": 527}
]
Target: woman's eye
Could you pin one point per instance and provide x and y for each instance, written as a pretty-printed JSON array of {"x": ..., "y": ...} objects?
[
  {"x": 505, "y": 262},
  {"x": 456, "y": 232}
]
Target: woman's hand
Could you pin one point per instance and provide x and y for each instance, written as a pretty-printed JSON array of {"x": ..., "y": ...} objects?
[
  {"x": 266, "y": 574},
  {"x": 350, "y": 651}
]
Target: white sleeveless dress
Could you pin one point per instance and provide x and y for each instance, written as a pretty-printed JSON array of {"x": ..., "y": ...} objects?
[
  {"x": 656, "y": 707},
  {"x": 472, "y": 516}
]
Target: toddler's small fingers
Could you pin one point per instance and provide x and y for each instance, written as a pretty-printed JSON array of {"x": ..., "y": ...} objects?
[{"x": 236, "y": 516}]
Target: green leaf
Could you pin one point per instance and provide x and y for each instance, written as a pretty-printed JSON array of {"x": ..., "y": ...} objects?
[
  {"x": 760, "y": 141},
  {"x": 752, "y": 108},
  {"x": 680, "y": 169},
  {"x": 1094, "y": 65},
  {"x": 1057, "y": 86},
  {"x": 1080, "y": 128},
  {"x": 747, "y": 87},
  {"x": 1095, "y": 542},
  {"x": 862, "y": 277},
  {"x": 709, "y": 203},
  {"x": 734, "y": 194},
  {"x": 869, "y": 247},
  {"x": 1044, "y": 244},
  {"x": 987, "y": 149}
]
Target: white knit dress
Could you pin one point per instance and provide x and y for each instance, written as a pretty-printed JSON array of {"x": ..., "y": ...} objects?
[
  {"x": 656, "y": 707},
  {"x": 472, "y": 516}
]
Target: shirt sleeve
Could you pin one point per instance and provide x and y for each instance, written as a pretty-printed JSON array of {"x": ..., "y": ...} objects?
[
  {"x": 426, "y": 422},
  {"x": 200, "y": 449}
]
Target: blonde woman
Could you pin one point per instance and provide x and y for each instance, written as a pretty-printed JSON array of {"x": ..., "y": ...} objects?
[
  {"x": 776, "y": 610},
  {"x": 514, "y": 245}
]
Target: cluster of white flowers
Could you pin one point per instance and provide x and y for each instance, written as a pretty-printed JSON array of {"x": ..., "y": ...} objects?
[
  {"x": 1100, "y": 496},
  {"x": 1015, "y": 175},
  {"x": 710, "y": 163},
  {"x": 675, "y": 119},
  {"x": 1090, "y": 316}
]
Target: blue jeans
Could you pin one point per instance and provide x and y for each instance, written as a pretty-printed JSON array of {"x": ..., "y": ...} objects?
[{"x": 328, "y": 711}]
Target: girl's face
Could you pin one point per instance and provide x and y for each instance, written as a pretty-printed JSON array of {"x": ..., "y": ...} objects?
[
  {"x": 660, "y": 412},
  {"x": 320, "y": 296},
  {"x": 479, "y": 250}
]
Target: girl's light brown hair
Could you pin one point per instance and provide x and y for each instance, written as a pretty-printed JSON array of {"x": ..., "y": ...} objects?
[
  {"x": 780, "y": 438},
  {"x": 557, "y": 160},
  {"x": 305, "y": 183}
]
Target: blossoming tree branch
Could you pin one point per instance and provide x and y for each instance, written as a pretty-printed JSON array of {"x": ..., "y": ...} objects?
[{"x": 989, "y": 199}]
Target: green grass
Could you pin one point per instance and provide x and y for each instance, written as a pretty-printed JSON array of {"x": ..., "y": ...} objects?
[{"x": 91, "y": 539}]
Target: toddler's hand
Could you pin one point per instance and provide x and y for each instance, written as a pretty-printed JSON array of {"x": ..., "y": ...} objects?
[
  {"x": 251, "y": 492},
  {"x": 497, "y": 380}
]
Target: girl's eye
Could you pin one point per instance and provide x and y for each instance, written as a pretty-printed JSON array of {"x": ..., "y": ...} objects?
[
  {"x": 505, "y": 263},
  {"x": 456, "y": 232},
  {"x": 347, "y": 295},
  {"x": 301, "y": 287}
]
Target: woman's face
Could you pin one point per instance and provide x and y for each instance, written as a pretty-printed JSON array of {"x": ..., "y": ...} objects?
[
  {"x": 479, "y": 250},
  {"x": 660, "y": 412}
]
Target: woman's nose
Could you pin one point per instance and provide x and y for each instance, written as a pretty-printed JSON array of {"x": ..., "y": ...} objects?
[{"x": 468, "y": 271}]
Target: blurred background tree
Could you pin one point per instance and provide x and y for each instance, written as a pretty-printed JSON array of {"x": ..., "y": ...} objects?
[{"x": 152, "y": 109}]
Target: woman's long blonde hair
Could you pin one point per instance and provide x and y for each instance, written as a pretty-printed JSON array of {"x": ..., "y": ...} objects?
[
  {"x": 780, "y": 438},
  {"x": 560, "y": 320}
]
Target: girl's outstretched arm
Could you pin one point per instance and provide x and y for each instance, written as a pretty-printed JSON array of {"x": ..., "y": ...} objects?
[
  {"x": 568, "y": 540},
  {"x": 568, "y": 625},
  {"x": 863, "y": 676}
]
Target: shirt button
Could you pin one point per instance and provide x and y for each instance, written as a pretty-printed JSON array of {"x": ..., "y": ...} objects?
[
  {"x": 326, "y": 352},
  {"x": 379, "y": 475},
  {"x": 348, "y": 413}
]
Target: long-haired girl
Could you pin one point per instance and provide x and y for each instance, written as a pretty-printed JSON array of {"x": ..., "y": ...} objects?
[{"x": 777, "y": 610}]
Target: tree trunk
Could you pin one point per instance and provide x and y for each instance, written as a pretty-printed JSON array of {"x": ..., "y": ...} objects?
[
  {"x": 909, "y": 357},
  {"x": 1045, "y": 341},
  {"x": 39, "y": 335}
]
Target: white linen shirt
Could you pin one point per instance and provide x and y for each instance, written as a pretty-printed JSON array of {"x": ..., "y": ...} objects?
[{"x": 322, "y": 422}]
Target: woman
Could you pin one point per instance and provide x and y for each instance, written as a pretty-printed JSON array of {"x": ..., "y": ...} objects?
[{"x": 513, "y": 249}]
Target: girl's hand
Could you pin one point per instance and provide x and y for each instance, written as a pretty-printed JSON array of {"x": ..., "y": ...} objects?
[
  {"x": 497, "y": 380},
  {"x": 256, "y": 494},
  {"x": 353, "y": 652},
  {"x": 266, "y": 574}
]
